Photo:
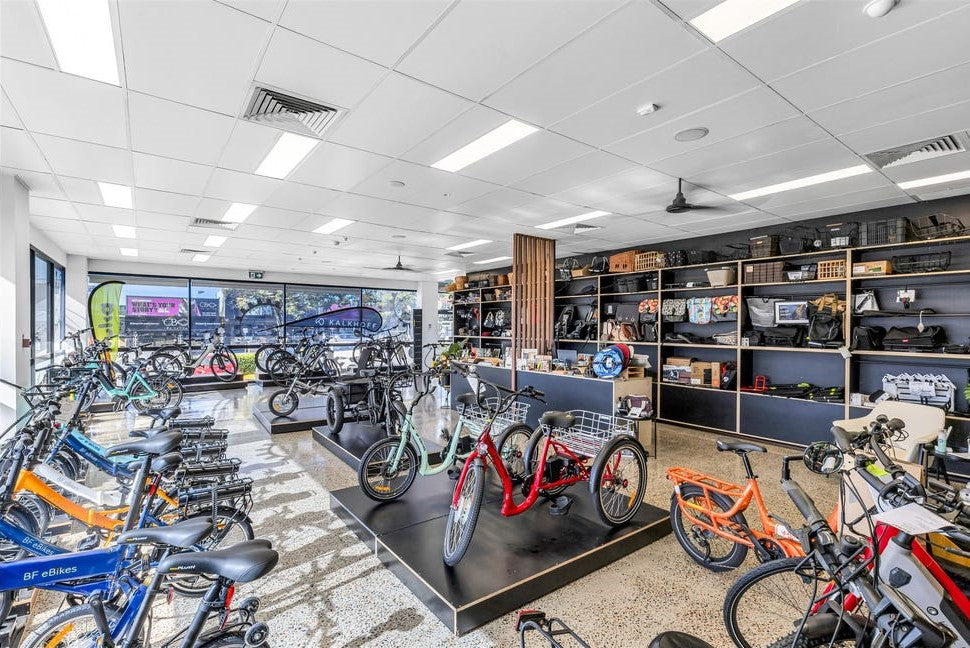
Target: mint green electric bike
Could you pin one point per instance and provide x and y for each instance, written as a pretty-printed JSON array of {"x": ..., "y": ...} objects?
[{"x": 388, "y": 468}]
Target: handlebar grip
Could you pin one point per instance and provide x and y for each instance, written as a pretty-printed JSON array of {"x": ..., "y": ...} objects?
[
  {"x": 841, "y": 438},
  {"x": 537, "y": 393},
  {"x": 804, "y": 503},
  {"x": 881, "y": 456}
]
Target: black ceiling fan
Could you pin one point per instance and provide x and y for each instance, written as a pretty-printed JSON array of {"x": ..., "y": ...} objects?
[
  {"x": 679, "y": 203},
  {"x": 397, "y": 266}
]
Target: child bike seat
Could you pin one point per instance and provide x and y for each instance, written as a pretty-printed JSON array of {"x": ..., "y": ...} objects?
[
  {"x": 243, "y": 562},
  {"x": 562, "y": 420},
  {"x": 723, "y": 445},
  {"x": 156, "y": 445},
  {"x": 182, "y": 534},
  {"x": 678, "y": 640}
]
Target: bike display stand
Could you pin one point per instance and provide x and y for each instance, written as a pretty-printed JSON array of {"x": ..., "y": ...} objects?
[
  {"x": 311, "y": 412},
  {"x": 201, "y": 383},
  {"x": 511, "y": 562}
]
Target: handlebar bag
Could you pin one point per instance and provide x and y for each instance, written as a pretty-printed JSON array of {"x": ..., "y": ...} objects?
[
  {"x": 699, "y": 310},
  {"x": 867, "y": 338},
  {"x": 785, "y": 336},
  {"x": 627, "y": 313}
]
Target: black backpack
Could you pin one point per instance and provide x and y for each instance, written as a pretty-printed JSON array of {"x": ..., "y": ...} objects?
[{"x": 867, "y": 338}]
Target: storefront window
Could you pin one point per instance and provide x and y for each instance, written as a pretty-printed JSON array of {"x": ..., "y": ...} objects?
[
  {"x": 154, "y": 310},
  {"x": 307, "y": 301},
  {"x": 395, "y": 306},
  {"x": 251, "y": 313},
  {"x": 47, "y": 300}
]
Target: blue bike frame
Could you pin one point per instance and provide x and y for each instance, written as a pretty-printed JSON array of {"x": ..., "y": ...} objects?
[
  {"x": 93, "y": 453},
  {"x": 51, "y": 572},
  {"x": 30, "y": 542}
]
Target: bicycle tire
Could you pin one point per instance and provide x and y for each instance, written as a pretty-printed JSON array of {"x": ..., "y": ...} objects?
[
  {"x": 262, "y": 353},
  {"x": 19, "y": 516},
  {"x": 513, "y": 456},
  {"x": 608, "y": 501},
  {"x": 733, "y": 557},
  {"x": 284, "y": 402},
  {"x": 38, "y": 508},
  {"x": 6, "y": 602},
  {"x": 229, "y": 640},
  {"x": 335, "y": 411},
  {"x": 463, "y": 522},
  {"x": 224, "y": 364},
  {"x": 176, "y": 351},
  {"x": 166, "y": 363},
  {"x": 532, "y": 462},
  {"x": 785, "y": 597},
  {"x": 367, "y": 465},
  {"x": 42, "y": 635},
  {"x": 161, "y": 400}
]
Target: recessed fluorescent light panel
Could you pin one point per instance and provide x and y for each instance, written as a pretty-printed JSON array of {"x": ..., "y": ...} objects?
[
  {"x": 124, "y": 231},
  {"x": 201, "y": 258},
  {"x": 508, "y": 133},
  {"x": 802, "y": 182},
  {"x": 470, "y": 244},
  {"x": 80, "y": 33},
  {"x": 444, "y": 272},
  {"x": 289, "y": 151},
  {"x": 573, "y": 219},
  {"x": 923, "y": 182},
  {"x": 214, "y": 241},
  {"x": 132, "y": 252},
  {"x": 238, "y": 212},
  {"x": 494, "y": 259},
  {"x": 333, "y": 225},
  {"x": 731, "y": 16},
  {"x": 115, "y": 195}
]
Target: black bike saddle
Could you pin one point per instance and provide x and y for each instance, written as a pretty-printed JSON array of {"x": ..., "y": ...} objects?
[
  {"x": 156, "y": 445},
  {"x": 678, "y": 640},
  {"x": 182, "y": 534},
  {"x": 563, "y": 420},
  {"x": 469, "y": 399},
  {"x": 723, "y": 445},
  {"x": 242, "y": 562}
]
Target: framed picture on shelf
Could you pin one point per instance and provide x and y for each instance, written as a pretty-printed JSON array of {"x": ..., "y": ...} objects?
[{"x": 791, "y": 312}]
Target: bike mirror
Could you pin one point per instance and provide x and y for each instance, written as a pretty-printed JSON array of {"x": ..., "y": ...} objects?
[{"x": 823, "y": 458}]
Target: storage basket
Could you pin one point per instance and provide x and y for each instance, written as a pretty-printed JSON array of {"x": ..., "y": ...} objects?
[
  {"x": 722, "y": 277},
  {"x": 764, "y": 246},
  {"x": 831, "y": 269},
  {"x": 582, "y": 271},
  {"x": 697, "y": 257},
  {"x": 648, "y": 261},
  {"x": 461, "y": 282},
  {"x": 675, "y": 258},
  {"x": 931, "y": 262},
  {"x": 937, "y": 226},
  {"x": 768, "y": 272},
  {"x": 838, "y": 235},
  {"x": 735, "y": 252},
  {"x": 795, "y": 242},
  {"x": 884, "y": 232},
  {"x": 623, "y": 261},
  {"x": 805, "y": 272},
  {"x": 591, "y": 431}
]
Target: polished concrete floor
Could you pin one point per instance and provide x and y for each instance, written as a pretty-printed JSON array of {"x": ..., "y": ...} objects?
[{"x": 330, "y": 590}]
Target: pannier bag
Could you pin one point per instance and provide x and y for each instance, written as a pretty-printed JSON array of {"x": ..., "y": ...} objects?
[
  {"x": 752, "y": 338},
  {"x": 599, "y": 265},
  {"x": 724, "y": 308},
  {"x": 648, "y": 310},
  {"x": 867, "y": 338},
  {"x": 761, "y": 310},
  {"x": 627, "y": 313},
  {"x": 674, "y": 310},
  {"x": 784, "y": 336},
  {"x": 909, "y": 338},
  {"x": 628, "y": 284},
  {"x": 825, "y": 321},
  {"x": 699, "y": 310}
]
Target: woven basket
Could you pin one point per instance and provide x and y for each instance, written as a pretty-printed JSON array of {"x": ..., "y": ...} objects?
[
  {"x": 648, "y": 261},
  {"x": 461, "y": 282},
  {"x": 831, "y": 269}
]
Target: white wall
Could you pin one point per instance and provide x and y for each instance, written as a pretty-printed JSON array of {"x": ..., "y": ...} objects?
[
  {"x": 14, "y": 294},
  {"x": 76, "y": 288}
]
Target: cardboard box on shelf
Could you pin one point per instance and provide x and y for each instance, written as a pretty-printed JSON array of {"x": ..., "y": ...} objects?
[
  {"x": 864, "y": 268},
  {"x": 678, "y": 361}
]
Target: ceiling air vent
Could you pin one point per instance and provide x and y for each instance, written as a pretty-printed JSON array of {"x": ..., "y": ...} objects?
[
  {"x": 290, "y": 113},
  {"x": 194, "y": 251},
  {"x": 207, "y": 223},
  {"x": 919, "y": 151},
  {"x": 461, "y": 254}
]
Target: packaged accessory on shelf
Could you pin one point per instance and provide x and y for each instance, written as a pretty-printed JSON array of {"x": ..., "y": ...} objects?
[
  {"x": 729, "y": 339},
  {"x": 648, "y": 309},
  {"x": 911, "y": 338},
  {"x": 627, "y": 313},
  {"x": 864, "y": 302},
  {"x": 697, "y": 257},
  {"x": 926, "y": 389},
  {"x": 699, "y": 310},
  {"x": 675, "y": 258},
  {"x": 912, "y": 263},
  {"x": 599, "y": 265},
  {"x": 674, "y": 310},
  {"x": 804, "y": 272},
  {"x": 752, "y": 338},
  {"x": 764, "y": 246},
  {"x": 784, "y": 336},
  {"x": 761, "y": 310},
  {"x": 580, "y": 271},
  {"x": 724, "y": 308},
  {"x": 867, "y": 338}
]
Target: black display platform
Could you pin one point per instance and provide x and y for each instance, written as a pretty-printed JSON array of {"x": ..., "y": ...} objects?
[
  {"x": 511, "y": 561},
  {"x": 352, "y": 441},
  {"x": 311, "y": 412},
  {"x": 201, "y": 383}
]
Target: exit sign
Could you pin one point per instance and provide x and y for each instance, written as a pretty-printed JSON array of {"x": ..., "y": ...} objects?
[{"x": 255, "y": 274}]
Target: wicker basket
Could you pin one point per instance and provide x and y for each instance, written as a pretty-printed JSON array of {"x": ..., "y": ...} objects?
[
  {"x": 648, "y": 261},
  {"x": 831, "y": 269},
  {"x": 580, "y": 272},
  {"x": 461, "y": 282},
  {"x": 623, "y": 261}
]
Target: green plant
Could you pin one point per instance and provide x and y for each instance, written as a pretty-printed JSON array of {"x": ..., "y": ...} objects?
[{"x": 247, "y": 363}]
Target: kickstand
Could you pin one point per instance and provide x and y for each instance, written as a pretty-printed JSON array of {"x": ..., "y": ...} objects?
[{"x": 560, "y": 505}]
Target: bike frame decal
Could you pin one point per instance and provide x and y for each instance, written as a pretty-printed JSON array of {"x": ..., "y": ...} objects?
[
  {"x": 30, "y": 542},
  {"x": 47, "y": 570}
]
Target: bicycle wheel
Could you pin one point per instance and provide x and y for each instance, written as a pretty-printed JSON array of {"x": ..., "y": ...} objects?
[
  {"x": 705, "y": 547},
  {"x": 232, "y": 526},
  {"x": 331, "y": 368},
  {"x": 6, "y": 602},
  {"x": 181, "y": 354},
  {"x": 229, "y": 640},
  {"x": 335, "y": 411},
  {"x": 74, "y": 627},
  {"x": 463, "y": 517},
  {"x": 166, "y": 363},
  {"x": 281, "y": 366},
  {"x": 38, "y": 508},
  {"x": 618, "y": 479},
  {"x": 532, "y": 459},
  {"x": 284, "y": 402},
  {"x": 765, "y": 607},
  {"x": 511, "y": 448},
  {"x": 20, "y": 517},
  {"x": 160, "y": 399},
  {"x": 224, "y": 364},
  {"x": 376, "y": 477},
  {"x": 263, "y": 353}
]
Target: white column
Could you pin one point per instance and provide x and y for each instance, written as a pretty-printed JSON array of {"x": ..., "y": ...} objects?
[
  {"x": 428, "y": 303},
  {"x": 76, "y": 289},
  {"x": 14, "y": 294}
]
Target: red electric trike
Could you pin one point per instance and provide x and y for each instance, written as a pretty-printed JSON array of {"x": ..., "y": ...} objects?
[{"x": 568, "y": 447}]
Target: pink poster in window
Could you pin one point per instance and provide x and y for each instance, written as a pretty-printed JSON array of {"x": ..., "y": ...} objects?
[{"x": 153, "y": 306}]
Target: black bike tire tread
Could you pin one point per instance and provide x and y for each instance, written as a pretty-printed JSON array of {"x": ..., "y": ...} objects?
[
  {"x": 737, "y": 554},
  {"x": 38, "y": 633},
  {"x": 601, "y": 457},
  {"x": 361, "y": 469},
  {"x": 469, "y": 528}
]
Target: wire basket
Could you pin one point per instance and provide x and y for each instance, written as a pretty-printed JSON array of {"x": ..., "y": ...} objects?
[
  {"x": 475, "y": 417},
  {"x": 931, "y": 262},
  {"x": 648, "y": 261},
  {"x": 591, "y": 431},
  {"x": 937, "y": 226}
]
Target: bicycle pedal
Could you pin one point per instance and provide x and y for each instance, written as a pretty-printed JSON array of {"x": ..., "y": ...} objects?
[{"x": 560, "y": 505}]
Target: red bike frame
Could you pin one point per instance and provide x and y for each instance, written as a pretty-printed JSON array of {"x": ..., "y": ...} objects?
[{"x": 485, "y": 449}]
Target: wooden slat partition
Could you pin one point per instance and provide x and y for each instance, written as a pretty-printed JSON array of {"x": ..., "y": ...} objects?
[{"x": 533, "y": 293}]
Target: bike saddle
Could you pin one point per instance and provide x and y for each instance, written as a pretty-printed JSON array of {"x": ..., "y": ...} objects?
[
  {"x": 469, "y": 399},
  {"x": 562, "y": 420},
  {"x": 367, "y": 373},
  {"x": 182, "y": 534},
  {"x": 156, "y": 445},
  {"x": 166, "y": 463},
  {"x": 163, "y": 413},
  {"x": 243, "y": 562},
  {"x": 678, "y": 640},
  {"x": 723, "y": 445}
]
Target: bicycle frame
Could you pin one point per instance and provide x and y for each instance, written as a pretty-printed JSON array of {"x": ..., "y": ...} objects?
[
  {"x": 426, "y": 469},
  {"x": 59, "y": 571}
]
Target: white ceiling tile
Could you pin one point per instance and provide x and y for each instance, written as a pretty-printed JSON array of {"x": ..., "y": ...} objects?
[
  {"x": 164, "y": 174},
  {"x": 790, "y": 40},
  {"x": 211, "y": 208},
  {"x": 17, "y": 150},
  {"x": 101, "y": 214},
  {"x": 631, "y": 181},
  {"x": 168, "y": 222},
  {"x": 927, "y": 48},
  {"x": 702, "y": 80},
  {"x": 819, "y": 191},
  {"x": 247, "y": 146},
  {"x": 638, "y": 202},
  {"x": 198, "y": 53},
  {"x": 265, "y": 9},
  {"x": 165, "y": 202},
  {"x": 935, "y": 193},
  {"x": 479, "y": 46},
  {"x": 61, "y": 226},
  {"x": 337, "y": 167},
  {"x": 467, "y": 127},
  {"x": 280, "y": 218},
  {"x": 742, "y": 114},
  {"x": 380, "y": 31},
  {"x": 80, "y": 190},
  {"x": 913, "y": 128},
  {"x": 175, "y": 130},
  {"x": 423, "y": 186},
  {"x": 495, "y": 203},
  {"x": 688, "y": 9},
  {"x": 541, "y": 210},
  {"x": 83, "y": 160},
  {"x": 241, "y": 187},
  {"x": 397, "y": 115},
  {"x": 316, "y": 71},
  {"x": 626, "y": 47},
  {"x": 734, "y": 224},
  {"x": 839, "y": 211},
  {"x": 42, "y": 185},
  {"x": 8, "y": 116},
  {"x": 52, "y": 208},
  {"x": 22, "y": 34},
  {"x": 300, "y": 197},
  {"x": 66, "y": 105},
  {"x": 576, "y": 172},
  {"x": 530, "y": 155},
  {"x": 763, "y": 141},
  {"x": 929, "y": 168},
  {"x": 844, "y": 200}
]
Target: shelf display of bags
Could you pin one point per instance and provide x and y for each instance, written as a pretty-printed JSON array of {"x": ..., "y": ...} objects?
[
  {"x": 867, "y": 338},
  {"x": 699, "y": 310},
  {"x": 674, "y": 310},
  {"x": 761, "y": 310},
  {"x": 911, "y": 338},
  {"x": 724, "y": 308},
  {"x": 648, "y": 309},
  {"x": 784, "y": 336}
]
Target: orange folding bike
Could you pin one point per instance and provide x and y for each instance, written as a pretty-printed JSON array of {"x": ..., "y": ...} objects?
[{"x": 707, "y": 516}]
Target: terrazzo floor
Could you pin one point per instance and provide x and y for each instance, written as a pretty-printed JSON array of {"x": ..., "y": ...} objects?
[{"x": 330, "y": 590}]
